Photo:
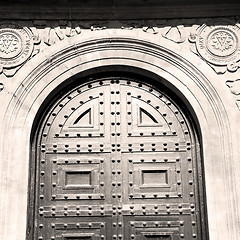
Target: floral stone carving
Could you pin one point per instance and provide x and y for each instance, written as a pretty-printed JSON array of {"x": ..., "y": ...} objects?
[
  {"x": 16, "y": 46},
  {"x": 234, "y": 87},
  {"x": 176, "y": 34},
  {"x": 218, "y": 44},
  {"x": 1, "y": 87}
]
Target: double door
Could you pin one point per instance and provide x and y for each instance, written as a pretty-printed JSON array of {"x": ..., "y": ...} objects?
[{"x": 116, "y": 159}]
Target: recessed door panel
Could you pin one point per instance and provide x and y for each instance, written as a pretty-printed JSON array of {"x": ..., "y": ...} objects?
[{"x": 116, "y": 160}]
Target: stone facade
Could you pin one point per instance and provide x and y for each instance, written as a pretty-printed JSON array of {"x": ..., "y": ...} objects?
[{"x": 199, "y": 59}]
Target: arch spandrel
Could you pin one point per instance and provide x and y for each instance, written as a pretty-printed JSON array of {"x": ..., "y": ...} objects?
[{"x": 53, "y": 68}]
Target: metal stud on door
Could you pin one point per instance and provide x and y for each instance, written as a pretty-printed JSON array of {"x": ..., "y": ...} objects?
[{"x": 117, "y": 160}]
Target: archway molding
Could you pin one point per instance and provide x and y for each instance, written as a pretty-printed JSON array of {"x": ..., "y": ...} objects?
[{"x": 42, "y": 75}]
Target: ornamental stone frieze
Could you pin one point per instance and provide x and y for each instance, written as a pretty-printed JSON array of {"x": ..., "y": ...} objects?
[
  {"x": 20, "y": 42},
  {"x": 216, "y": 42}
]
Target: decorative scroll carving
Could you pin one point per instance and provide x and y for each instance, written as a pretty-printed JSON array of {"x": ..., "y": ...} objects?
[
  {"x": 175, "y": 34},
  {"x": 54, "y": 34},
  {"x": 153, "y": 30},
  {"x": 238, "y": 104},
  {"x": 234, "y": 87},
  {"x": 97, "y": 27},
  {"x": 130, "y": 25},
  {"x": 218, "y": 45},
  {"x": 127, "y": 28},
  {"x": 1, "y": 87}
]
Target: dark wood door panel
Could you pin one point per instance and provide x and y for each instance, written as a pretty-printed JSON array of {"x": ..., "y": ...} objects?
[
  {"x": 72, "y": 177},
  {"x": 159, "y": 177},
  {"x": 63, "y": 228},
  {"x": 159, "y": 227},
  {"x": 116, "y": 160}
]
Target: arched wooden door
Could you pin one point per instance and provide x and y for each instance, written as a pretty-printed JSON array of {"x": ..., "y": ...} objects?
[{"x": 117, "y": 159}]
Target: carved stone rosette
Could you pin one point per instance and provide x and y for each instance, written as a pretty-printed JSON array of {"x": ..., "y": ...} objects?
[
  {"x": 218, "y": 44},
  {"x": 16, "y": 46}
]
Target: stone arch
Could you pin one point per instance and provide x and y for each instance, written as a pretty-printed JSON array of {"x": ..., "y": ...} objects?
[{"x": 49, "y": 69}]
